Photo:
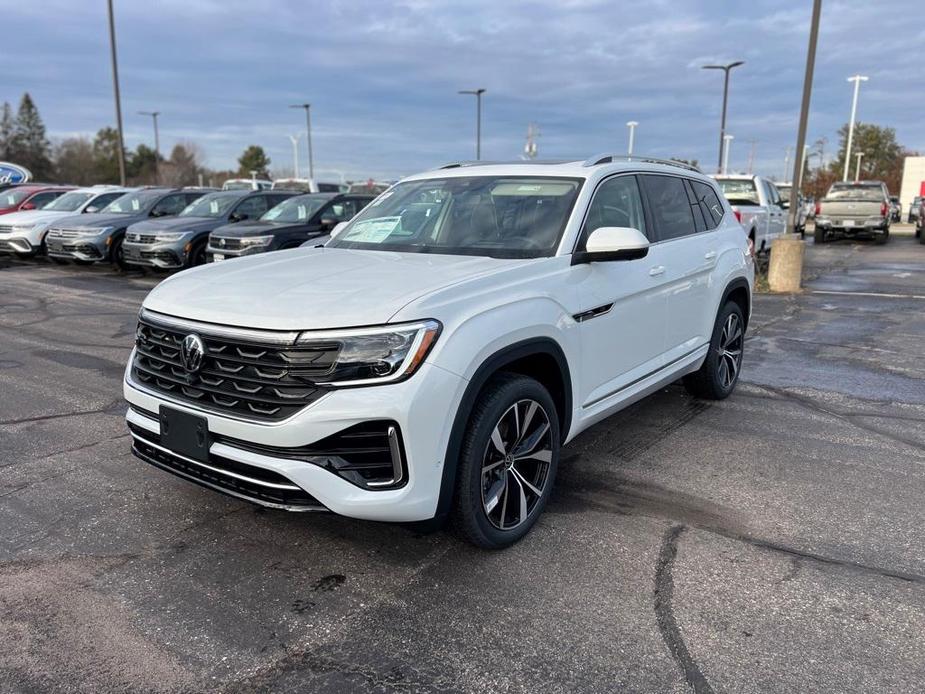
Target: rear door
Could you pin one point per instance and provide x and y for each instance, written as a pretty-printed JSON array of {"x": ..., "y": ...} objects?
[
  {"x": 689, "y": 245},
  {"x": 777, "y": 219},
  {"x": 622, "y": 317}
]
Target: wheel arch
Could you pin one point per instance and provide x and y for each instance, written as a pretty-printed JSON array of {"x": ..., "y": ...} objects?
[
  {"x": 541, "y": 358},
  {"x": 738, "y": 290}
]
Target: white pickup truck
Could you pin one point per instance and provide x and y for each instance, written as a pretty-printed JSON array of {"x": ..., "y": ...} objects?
[{"x": 757, "y": 205}]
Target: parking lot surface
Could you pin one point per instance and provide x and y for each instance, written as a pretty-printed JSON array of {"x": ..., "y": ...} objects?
[{"x": 769, "y": 542}]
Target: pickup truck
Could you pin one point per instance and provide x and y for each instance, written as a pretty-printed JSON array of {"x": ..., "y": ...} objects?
[
  {"x": 861, "y": 208},
  {"x": 757, "y": 205}
]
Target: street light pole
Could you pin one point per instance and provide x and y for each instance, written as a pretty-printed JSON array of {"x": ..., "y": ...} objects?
[
  {"x": 722, "y": 126},
  {"x": 308, "y": 133},
  {"x": 857, "y": 79},
  {"x": 727, "y": 141},
  {"x": 478, "y": 118},
  {"x": 115, "y": 88},
  {"x": 857, "y": 171},
  {"x": 157, "y": 144},
  {"x": 632, "y": 126}
]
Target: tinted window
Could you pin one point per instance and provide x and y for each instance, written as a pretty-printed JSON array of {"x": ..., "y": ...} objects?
[
  {"x": 170, "y": 205},
  {"x": 42, "y": 199},
  {"x": 100, "y": 201},
  {"x": 342, "y": 210},
  {"x": 617, "y": 203},
  {"x": 252, "y": 207},
  {"x": 670, "y": 206},
  {"x": 709, "y": 203}
]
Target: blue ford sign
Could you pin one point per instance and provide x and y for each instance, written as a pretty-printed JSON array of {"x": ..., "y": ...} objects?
[{"x": 10, "y": 173}]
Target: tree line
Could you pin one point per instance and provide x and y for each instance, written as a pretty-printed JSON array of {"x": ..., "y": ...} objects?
[{"x": 85, "y": 161}]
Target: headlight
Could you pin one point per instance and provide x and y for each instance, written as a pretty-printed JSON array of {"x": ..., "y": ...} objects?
[
  {"x": 94, "y": 231},
  {"x": 374, "y": 355},
  {"x": 171, "y": 235},
  {"x": 24, "y": 229},
  {"x": 256, "y": 241}
]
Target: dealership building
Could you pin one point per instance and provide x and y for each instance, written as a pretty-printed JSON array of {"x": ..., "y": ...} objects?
[{"x": 913, "y": 181}]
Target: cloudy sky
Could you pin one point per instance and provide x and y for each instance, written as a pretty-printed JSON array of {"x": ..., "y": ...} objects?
[{"x": 383, "y": 76}]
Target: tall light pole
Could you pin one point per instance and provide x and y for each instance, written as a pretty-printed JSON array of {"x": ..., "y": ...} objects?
[
  {"x": 115, "y": 88},
  {"x": 787, "y": 162},
  {"x": 727, "y": 142},
  {"x": 857, "y": 79},
  {"x": 632, "y": 126},
  {"x": 308, "y": 133},
  {"x": 857, "y": 171},
  {"x": 722, "y": 124},
  {"x": 478, "y": 118},
  {"x": 157, "y": 144},
  {"x": 751, "y": 155},
  {"x": 295, "y": 154}
]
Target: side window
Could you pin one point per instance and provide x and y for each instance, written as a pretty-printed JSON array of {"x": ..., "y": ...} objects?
[
  {"x": 773, "y": 194},
  {"x": 709, "y": 203},
  {"x": 252, "y": 207},
  {"x": 670, "y": 206},
  {"x": 699, "y": 220},
  {"x": 170, "y": 205},
  {"x": 617, "y": 203},
  {"x": 342, "y": 210},
  {"x": 42, "y": 199},
  {"x": 193, "y": 197},
  {"x": 100, "y": 201}
]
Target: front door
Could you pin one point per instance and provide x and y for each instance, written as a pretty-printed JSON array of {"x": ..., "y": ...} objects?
[{"x": 622, "y": 318}]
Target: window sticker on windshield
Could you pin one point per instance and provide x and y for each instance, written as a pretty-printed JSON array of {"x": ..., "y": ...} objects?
[
  {"x": 213, "y": 206},
  {"x": 136, "y": 204},
  {"x": 381, "y": 199},
  {"x": 373, "y": 230}
]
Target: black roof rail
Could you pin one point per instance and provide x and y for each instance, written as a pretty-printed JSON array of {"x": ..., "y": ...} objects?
[
  {"x": 512, "y": 162},
  {"x": 611, "y": 158}
]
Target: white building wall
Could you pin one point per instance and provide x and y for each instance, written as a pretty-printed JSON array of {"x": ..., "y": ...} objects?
[{"x": 913, "y": 177}]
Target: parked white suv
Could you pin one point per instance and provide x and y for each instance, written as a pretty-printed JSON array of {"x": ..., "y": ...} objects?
[{"x": 431, "y": 360}]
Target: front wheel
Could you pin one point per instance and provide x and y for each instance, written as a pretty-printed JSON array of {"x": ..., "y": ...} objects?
[
  {"x": 116, "y": 255},
  {"x": 717, "y": 377},
  {"x": 507, "y": 463},
  {"x": 197, "y": 254}
]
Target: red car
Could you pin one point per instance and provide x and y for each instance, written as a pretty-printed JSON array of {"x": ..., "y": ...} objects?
[{"x": 29, "y": 196}]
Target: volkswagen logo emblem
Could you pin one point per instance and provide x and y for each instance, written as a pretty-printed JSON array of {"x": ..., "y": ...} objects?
[
  {"x": 191, "y": 353},
  {"x": 221, "y": 242}
]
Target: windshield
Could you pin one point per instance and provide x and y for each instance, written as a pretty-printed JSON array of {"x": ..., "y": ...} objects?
[
  {"x": 740, "y": 191},
  {"x": 11, "y": 198},
  {"x": 68, "y": 202},
  {"x": 852, "y": 192},
  {"x": 133, "y": 203},
  {"x": 502, "y": 217},
  {"x": 213, "y": 205},
  {"x": 297, "y": 209}
]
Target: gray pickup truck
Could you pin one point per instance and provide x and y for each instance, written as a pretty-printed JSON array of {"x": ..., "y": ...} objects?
[{"x": 854, "y": 209}]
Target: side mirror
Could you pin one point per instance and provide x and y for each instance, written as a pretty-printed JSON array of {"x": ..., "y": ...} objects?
[
  {"x": 238, "y": 216},
  {"x": 28, "y": 206},
  {"x": 158, "y": 213},
  {"x": 328, "y": 223},
  {"x": 784, "y": 204},
  {"x": 613, "y": 243},
  {"x": 91, "y": 209}
]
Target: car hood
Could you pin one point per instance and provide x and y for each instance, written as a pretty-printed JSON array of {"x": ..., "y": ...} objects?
[
  {"x": 153, "y": 226},
  {"x": 255, "y": 228},
  {"x": 313, "y": 288},
  {"x": 25, "y": 217},
  {"x": 96, "y": 221}
]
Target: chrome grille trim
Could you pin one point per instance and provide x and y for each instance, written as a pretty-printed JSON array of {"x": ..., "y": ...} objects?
[{"x": 270, "y": 337}]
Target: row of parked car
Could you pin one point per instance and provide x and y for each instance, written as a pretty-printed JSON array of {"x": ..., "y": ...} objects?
[{"x": 166, "y": 228}]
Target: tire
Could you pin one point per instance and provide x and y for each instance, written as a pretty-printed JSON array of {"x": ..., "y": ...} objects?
[
  {"x": 197, "y": 254},
  {"x": 921, "y": 235},
  {"x": 717, "y": 377},
  {"x": 819, "y": 235},
  {"x": 115, "y": 254},
  {"x": 496, "y": 501},
  {"x": 881, "y": 239},
  {"x": 58, "y": 261},
  {"x": 802, "y": 231},
  {"x": 78, "y": 261}
]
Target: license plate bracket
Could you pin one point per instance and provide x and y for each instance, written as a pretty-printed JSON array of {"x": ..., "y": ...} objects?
[
  {"x": 848, "y": 222},
  {"x": 184, "y": 433},
  {"x": 218, "y": 257}
]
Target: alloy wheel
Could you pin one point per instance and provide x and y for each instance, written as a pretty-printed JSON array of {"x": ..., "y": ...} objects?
[
  {"x": 730, "y": 350},
  {"x": 515, "y": 466}
]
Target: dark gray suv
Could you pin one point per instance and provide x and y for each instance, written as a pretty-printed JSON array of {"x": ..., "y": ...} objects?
[{"x": 178, "y": 242}]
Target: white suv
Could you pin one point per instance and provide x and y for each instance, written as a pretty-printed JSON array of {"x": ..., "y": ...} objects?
[{"x": 431, "y": 360}]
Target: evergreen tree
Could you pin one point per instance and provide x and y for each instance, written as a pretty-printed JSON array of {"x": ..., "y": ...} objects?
[
  {"x": 106, "y": 156},
  {"x": 254, "y": 159},
  {"x": 30, "y": 144},
  {"x": 6, "y": 132}
]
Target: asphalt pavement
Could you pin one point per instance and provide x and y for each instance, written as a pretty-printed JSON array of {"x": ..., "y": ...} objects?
[{"x": 771, "y": 542}]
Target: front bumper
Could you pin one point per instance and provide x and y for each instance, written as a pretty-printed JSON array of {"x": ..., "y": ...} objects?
[
  {"x": 421, "y": 407},
  {"x": 89, "y": 248},
  {"x": 10, "y": 243},
  {"x": 167, "y": 255},
  {"x": 214, "y": 253}
]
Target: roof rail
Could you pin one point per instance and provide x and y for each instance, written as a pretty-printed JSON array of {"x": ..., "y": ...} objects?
[
  {"x": 460, "y": 164},
  {"x": 610, "y": 158}
]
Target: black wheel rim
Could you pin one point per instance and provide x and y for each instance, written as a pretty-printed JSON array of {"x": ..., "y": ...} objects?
[
  {"x": 730, "y": 351},
  {"x": 515, "y": 465}
]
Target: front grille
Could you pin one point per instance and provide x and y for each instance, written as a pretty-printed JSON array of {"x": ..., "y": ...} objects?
[
  {"x": 248, "y": 379},
  {"x": 6, "y": 228},
  {"x": 250, "y": 482},
  {"x": 63, "y": 233},
  {"x": 225, "y": 243},
  {"x": 141, "y": 238}
]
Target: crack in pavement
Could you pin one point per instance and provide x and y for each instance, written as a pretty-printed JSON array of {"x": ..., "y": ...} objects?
[
  {"x": 664, "y": 612},
  {"x": 113, "y": 407}
]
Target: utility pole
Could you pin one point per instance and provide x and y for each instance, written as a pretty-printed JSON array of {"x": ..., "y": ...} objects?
[
  {"x": 857, "y": 171},
  {"x": 308, "y": 133},
  {"x": 632, "y": 126},
  {"x": 727, "y": 142},
  {"x": 115, "y": 88},
  {"x": 157, "y": 144},
  {"x": 857, "y": 79},
  {"x": 722, "y": 126},
  {"x": 478, "y": 118},
  {"x": 751, "y": 155},
  {"x": 295, "y": 154}
]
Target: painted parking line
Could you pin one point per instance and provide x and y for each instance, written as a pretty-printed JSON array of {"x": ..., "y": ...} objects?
[{"x": 877, "y": 295}]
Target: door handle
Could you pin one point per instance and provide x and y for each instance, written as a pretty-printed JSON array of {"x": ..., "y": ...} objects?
[
  {"x": 709, "y": 255},
  {"x": 657, "y": 270}
]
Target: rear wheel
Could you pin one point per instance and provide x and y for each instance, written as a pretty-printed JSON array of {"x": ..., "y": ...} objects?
[
  {"x": 882, "y": 237},
  {"x": 507, "y": 463},
  {"x": 819, "y": 235},
  {"x": 718, "y": 375}
]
